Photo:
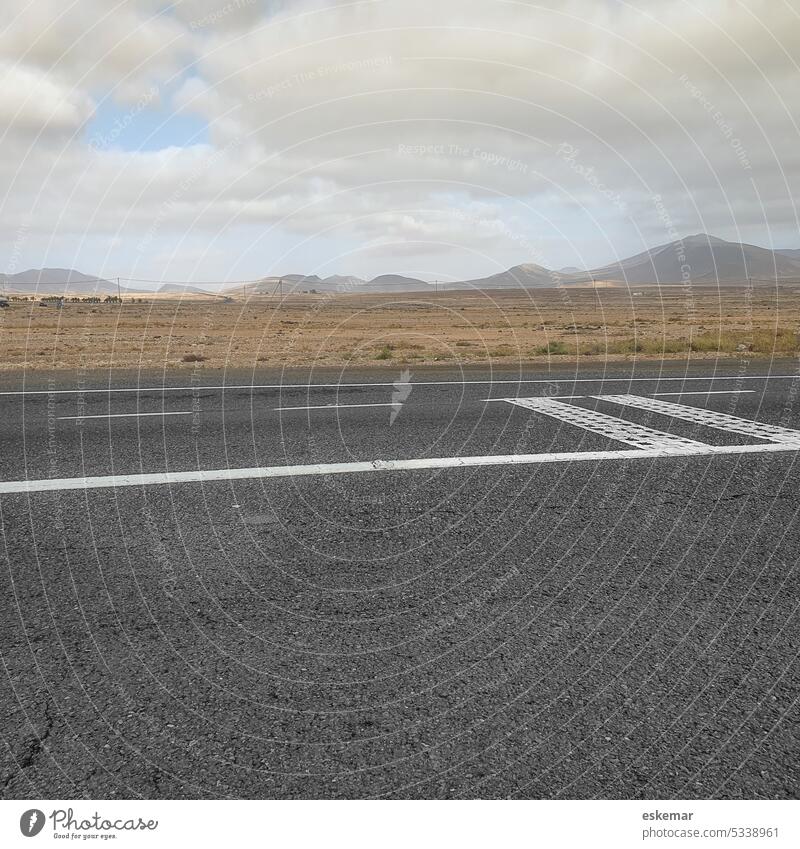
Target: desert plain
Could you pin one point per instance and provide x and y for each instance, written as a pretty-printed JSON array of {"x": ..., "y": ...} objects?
[{"x": 448, "y": 327}]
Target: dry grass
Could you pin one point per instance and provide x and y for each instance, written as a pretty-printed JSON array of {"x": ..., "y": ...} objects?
[{"x": 458, "y": 328}]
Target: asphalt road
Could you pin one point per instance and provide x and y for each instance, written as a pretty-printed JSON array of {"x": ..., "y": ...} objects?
[{"x": 613, "y": 628}]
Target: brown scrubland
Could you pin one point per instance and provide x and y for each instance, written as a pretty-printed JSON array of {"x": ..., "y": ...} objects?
[{"x": 455, "y": 327}]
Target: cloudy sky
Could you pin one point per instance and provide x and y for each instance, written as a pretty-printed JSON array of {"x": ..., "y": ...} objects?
[{"x": 215, "y": 140}]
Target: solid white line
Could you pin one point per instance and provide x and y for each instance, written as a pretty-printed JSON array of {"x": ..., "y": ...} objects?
[
  {"x": 128, "y": 415},
  {"x": 341, "y": 406},
  {"x": 252, "y": 386},
  {"x": 200, "y": 476}
]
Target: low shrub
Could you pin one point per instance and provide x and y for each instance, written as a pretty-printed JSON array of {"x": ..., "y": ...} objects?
[{"x": 552, "y": 348}]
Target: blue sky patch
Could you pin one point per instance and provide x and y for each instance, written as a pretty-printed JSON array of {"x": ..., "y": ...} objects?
[{"x": 145, "y": 125}]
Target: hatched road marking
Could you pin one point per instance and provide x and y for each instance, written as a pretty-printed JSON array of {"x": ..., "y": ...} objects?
[
  {"x": 709, "y": 418},
  {"x": 609, "y": 426}
]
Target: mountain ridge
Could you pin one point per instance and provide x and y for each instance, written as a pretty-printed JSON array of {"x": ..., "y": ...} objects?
[
  {"x": 56, "y": 281},
  {"x": 699, "y": 259}
]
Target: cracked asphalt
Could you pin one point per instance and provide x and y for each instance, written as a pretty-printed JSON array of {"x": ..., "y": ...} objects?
[{"x": 612, "y": 629}]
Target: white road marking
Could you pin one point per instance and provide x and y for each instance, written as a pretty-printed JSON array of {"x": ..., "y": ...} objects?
[
  {"x": 551, "y": 397},
  {"x": 709, "y": 418},
  {"x": 611, "y": 427},
  {"x": 705, "y": 392},
  {"x": 201, "y": 476},
  {"x": 654, "y": 394},
  {"x": 128, "y": 415},
  {"x": 251, "y": 386},
  {"x": 341, "y": 406}
]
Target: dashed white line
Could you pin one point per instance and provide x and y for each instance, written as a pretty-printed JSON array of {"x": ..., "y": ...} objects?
[
  {"x": 340, "y": 406},
  {"x": 129, "y": 415},
  {"x": 201, "y": 476}
]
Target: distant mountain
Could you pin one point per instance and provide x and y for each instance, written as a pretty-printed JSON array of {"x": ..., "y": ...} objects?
[
  {"x": 288, "y": 283},
  {"x": 704, "y": 258},
  {"x": 700, "y": 259},
  {"x": 334, "y": 284},
  {"x": 344, "y": 282},
  {"x": 265, "y": 286},
  {"x": 56, "y": 281},
  {"x": 396, "y": 283},
  {"x": 304, "y": 279},
  {"x": 169, "y": 288},
  {"x": 525, "y": 276}
]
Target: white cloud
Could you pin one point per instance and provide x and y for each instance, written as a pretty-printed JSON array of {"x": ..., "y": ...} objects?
[
  {"x": 336, "y": 125},
  {"x": 32, "y": 102},
  {"x": 95, "y": 43}
]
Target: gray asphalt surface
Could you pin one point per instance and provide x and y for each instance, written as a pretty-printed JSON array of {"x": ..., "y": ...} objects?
[{"x": 612, "y": 629}]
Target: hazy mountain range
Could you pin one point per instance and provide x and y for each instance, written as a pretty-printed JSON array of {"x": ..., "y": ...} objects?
[
  {"x": 700, "y": 259},
  {"x": 56, "y": 281},
  {"x": 705, "y": 259}
]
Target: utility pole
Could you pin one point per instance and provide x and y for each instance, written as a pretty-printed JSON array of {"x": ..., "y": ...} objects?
[{"x": 119, "y": 291}]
